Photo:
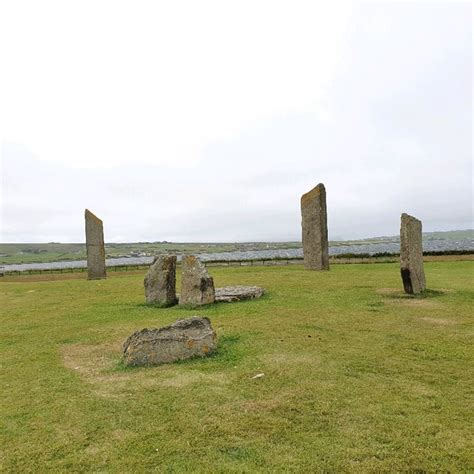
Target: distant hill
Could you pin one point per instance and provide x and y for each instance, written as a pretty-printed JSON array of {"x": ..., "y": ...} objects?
[
  {"x": 440, "y": 235},
  {"x": 450, "y": 234}
]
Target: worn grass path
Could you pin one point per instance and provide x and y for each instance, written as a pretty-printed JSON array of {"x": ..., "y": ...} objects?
[{"x": 357, "y": 377}]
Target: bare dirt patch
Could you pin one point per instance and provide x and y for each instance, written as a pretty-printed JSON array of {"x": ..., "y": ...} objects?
[
  {"x": 395, "y": 296},
  {"x": 184, "y": 379},
  {"x": 440, "y": 321},
  {"x": 99, "y": 366},
  {"x": 418, "y": 303},
  {"x": 94, "y": 363}
]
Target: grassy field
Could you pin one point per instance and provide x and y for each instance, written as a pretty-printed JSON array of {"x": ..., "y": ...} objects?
[{"x": 358, "y": 377}]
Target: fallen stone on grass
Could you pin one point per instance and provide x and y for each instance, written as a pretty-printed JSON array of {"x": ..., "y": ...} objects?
[
  {"x": 185, "y": 338},
  {"x": 229, "y": 294}
]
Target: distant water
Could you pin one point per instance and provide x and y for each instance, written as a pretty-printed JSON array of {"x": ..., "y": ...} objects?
[{"x": 369, "y": 248}]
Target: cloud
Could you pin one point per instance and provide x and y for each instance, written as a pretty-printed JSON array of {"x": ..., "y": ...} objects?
[
  {"x": 377, "y": 105},
  {"x": 103, "y": 83}
]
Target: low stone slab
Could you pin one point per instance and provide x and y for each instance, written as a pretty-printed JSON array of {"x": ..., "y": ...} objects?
[
  {"x": 186, "y": 338},
  {"x": 229, "y": 294}
]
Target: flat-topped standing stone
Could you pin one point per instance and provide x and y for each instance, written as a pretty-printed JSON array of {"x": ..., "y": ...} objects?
[
  {"x": 315, "y": 229},
  {"x": 95, "y": 247},
  {"x": 192, "y": 337},
  {"x": 197, "y": 286},
  {"x": 411, "y": 255},
  {"x": 160, "y": 281}
]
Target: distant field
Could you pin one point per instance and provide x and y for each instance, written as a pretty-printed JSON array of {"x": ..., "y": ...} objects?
[
  {"x": 56, "y": 252},
  {"x": 357, "y": 377}
]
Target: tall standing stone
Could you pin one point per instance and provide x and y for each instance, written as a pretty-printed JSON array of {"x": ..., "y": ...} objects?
[
  {"x": 95, "y": 247},
  {"x": 411, "y": 255},
  {"x": 197, "y": 286},
  {"x": 160, "y": 281},
  {"x": 315, "y": 229}
]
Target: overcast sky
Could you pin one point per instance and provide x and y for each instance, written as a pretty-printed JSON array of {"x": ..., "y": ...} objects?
[{"x": 207, "y": 120}]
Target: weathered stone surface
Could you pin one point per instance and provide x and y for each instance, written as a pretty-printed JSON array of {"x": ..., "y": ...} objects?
[
  {"x": 411, "y": 255},
  {"x": 229, "y": 294},
  {"x": 95, "y": 247},
  {"x": 160, "y": 281},
  {"x": 186, "y": 338},
  {"x": 197, "y": 286},
  {"x": 315, "y": 229}
]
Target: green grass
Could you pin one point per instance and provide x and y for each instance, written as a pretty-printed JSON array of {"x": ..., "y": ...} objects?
[{"x": 358, "y": 377}]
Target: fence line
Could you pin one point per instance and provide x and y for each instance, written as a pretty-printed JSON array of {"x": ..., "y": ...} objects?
[
  {"x": 334, "y": 259},
  {"x": 143, "y": 266}
]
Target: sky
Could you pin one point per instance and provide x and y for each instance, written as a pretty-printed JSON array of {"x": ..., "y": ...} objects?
[{"x": 207, "y": 121}]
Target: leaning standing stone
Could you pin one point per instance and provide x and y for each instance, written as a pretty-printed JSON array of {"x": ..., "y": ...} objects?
[
  {"x": 411, "y": 255},
  {"x": 95, "y": 247},
  {"x": 160, "y": 281},
  {"x": 315, "y": 229},
  {"x": 197, "y": 286},
  {"x": 186, "y": 338}
]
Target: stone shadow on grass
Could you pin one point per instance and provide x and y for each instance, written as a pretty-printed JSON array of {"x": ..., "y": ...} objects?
[
  {"x": 191, "y": 307},
  {"x": 429, "y": 299},
  {"x": 156, "y": 305},
  {"x": 395, "y": 293},
  {"x": 174, "y": 306}
]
